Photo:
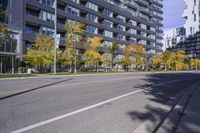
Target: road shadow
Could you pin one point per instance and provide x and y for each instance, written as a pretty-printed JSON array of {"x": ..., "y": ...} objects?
[
  {"x": 34, "y": 89},
  {"x": 164, "y": 95}
]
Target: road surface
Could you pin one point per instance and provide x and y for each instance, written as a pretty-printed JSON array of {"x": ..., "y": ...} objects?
[{"x": 113, "y": 103}]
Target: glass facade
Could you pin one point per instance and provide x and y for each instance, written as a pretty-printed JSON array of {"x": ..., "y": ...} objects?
[
  {"x": 8, "y": 46},
  {"x": 9, "y": 59},
  {"x": 5, "y": 16}
]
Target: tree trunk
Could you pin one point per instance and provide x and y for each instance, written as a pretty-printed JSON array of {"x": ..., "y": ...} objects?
[
  {"x": 70, "y": 68},
  {"x": 97, "y": 66}
]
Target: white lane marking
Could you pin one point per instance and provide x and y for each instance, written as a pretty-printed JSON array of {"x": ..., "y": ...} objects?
[
  {"x": 86, "y": 108},
  {"x": 73, "y": 113}
]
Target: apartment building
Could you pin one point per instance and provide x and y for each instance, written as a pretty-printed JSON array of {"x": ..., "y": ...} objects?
[
  {"x": 172, "y": 37},
  {"x": 191, "y": 42},
  {"x": 123, "y": 21},
  {"x": 10, "y": 49},
  {"x": 191, "y": 16}
]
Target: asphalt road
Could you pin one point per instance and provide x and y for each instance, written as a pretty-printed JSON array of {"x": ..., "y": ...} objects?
[{"x": 118, "y": 103}]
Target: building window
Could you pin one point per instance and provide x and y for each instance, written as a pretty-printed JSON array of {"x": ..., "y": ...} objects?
[
  {"x": 108, "y": 34},
  {"x": 48, "y": 16},
  {"x": 91, "y": 18},
  {"x": 121, "y": 37},
  {"x": 32, "y": 29},
  {"x": 132, "y": 39},
  {"x": 47, "y": 31},
  {"x": 91, "y": 29},
  {"x": 108, "y": 13},
  {"x": 92, "y": 6},
  {"x": 195, "y": 17},
  {"x": 32, "y": 13},
  {"x": 8, "y": 46},
  {"x": 76, "y": 1},
  {"x": 107, "y": 43},
  {"x": 28, "y": 45},
  {"x": 133, "y": 31},
  {"x": 143, "y": 34},
  {"x": 143, "y": 26},
  {"x": 121, "y": 27},
  {"x": 5, "y": 17},
  {"x": 108, "y": 23},
  {"x": 143, "y": 42},
  {"x": 121, "y": 18},
  {"x": 133, "y": 22},
  {"x": 48, "y": 2},
  {"x": 73, "y": 11}
]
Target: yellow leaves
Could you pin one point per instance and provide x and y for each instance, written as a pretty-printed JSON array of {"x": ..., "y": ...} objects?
[
  {"x": 74, "y": 37},
  {"x": 126, "y": 61},
  {"x": 179, "y": 65},
  {"x": 42, "y": 52},
  {"x": 92, "y": 57},
  {"x": 156, "y": 60},
  {"x": 69, "y": 55},
  {"x": 114, "y": 47},
  {"x": 93, "y": 42},
  {"x": 91, "y": 54},
  {"x": 195, "y": 63},
  {"x": 43, "y": 43},
  {"x": 4, "y": 32},
  {"x": 74, "y": 27},
  {"x": 136, "y": 51},
  {"x": 96, "y": 42},
  {"x": 177, "y": 60}
]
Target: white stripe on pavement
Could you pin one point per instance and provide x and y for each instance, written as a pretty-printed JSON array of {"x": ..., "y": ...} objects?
[
  {"x": 85, "y": 109},
  {"x": 73, "y": 113}
]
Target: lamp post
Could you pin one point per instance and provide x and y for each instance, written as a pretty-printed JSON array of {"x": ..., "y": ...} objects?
[
  {"x": 55, "y": 34},
  {"x": 196, "y": 63}
]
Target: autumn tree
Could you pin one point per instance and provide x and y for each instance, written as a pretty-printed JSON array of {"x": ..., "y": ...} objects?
[
  {"x": 137, "y": 51},
  {"x": 73, "y": 40},
  {"x": 179, "y": 59},
  {"x": 42, "y": 53},
  {"x": 107, "y": 60},
  {"x": 126, "y": 62},
  {"x": 92, "y": 55},
  {"x": 113, "y": 49},
  {"x": 167, "y": 59},
  {"x": 156, "y": 61},
  {"x": 4, "y": 32},
  {"x": 195, "y": 63}
]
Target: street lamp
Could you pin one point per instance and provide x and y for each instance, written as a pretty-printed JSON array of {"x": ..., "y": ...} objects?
[
  {"x": 196, "y": 62},
  {"x": 55, "y": 34}
]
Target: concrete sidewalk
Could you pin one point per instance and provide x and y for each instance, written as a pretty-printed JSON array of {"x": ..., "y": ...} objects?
[{"x": 185, "y": 118}]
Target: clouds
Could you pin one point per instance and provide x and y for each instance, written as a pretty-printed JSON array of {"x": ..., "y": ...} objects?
[{"x": 173, "y": 10}]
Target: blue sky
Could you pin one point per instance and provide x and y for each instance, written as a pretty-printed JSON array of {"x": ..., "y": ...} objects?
[{"x": 173, "y": 10}]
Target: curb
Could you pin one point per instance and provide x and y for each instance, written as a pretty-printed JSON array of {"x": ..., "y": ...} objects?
[
  {"x": 100, "y": 74},
  {"x": 155, "y": 127}
]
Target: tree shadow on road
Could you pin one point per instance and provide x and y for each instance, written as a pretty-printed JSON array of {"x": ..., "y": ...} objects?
[{"x": 162, "y": 97}]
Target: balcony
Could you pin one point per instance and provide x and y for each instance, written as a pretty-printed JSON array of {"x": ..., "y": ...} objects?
[
  {"x": 131, "y": 4},
  {"x": 145, "y": 10},
  {"x": 142, "y": 2}
]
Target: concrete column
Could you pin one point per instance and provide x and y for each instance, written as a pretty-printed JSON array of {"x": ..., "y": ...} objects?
[
  {"x": 1, "y": 65},
  {"x": 13, "y": 64}
]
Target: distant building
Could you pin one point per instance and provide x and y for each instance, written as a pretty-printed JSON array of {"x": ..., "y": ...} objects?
[
  {"x": 172, "y": 37},
  {"x": 191, "y": 43},
  {"x": 191, "y": 16}
]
